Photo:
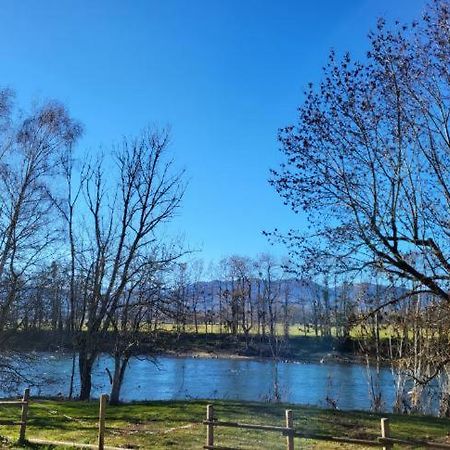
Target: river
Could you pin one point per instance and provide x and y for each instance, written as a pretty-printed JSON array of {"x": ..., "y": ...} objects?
[{"x": 178, "y": 378}]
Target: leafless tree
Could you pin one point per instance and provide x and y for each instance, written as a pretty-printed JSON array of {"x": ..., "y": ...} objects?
[
  {"x": 31, "y": 150},
  {"x": 122, "y": 231},
  {"x": 368, "y": 160},
  {"x": 129, "y": 334},
  {"x": 30, "y": 147}
]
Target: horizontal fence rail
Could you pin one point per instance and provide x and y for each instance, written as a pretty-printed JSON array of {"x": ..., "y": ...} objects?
[
  {"x": 72, "y": 444},
  {"x": 101, "y": 432},
  {"x": 384, "y": 441},
  {"x": 24, "y": 404}
]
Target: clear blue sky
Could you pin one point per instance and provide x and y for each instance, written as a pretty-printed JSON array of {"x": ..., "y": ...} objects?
[{"x": 225, "y": 74}]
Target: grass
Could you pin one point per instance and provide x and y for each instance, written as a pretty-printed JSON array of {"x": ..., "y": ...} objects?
[
  {"x": 294, "y": 330},
  {"x": 178, "y": 424}
]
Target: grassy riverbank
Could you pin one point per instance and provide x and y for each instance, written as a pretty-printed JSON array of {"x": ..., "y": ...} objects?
[
  {"x": 304, "y": 348},
  {"x": 178, "y": 425}
]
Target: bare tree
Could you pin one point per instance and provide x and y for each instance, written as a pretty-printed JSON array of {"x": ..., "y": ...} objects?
[
  {"x": 30, "y": 146},
  {"x": 28, "y": 228},
  {"x": 121, "y": 234},
  {"x": 270, "y": 291},
  {"x": 128, "y": 332},
  {"x": 368, "y": 159}
]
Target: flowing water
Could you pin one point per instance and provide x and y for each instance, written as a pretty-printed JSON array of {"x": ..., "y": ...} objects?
[{"x": 178, "y": 378}]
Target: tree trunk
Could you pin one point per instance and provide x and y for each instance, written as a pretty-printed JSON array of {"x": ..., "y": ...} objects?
[
  {"x": 444, "y": 405},
  {"x": 120, "y": 366},
  {"x": 85, "y": 362},
  {"x": 72, "y": 375}
]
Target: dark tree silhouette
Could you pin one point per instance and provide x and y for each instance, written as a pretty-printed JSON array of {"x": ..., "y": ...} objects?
[{"x": 369, "y": 158}]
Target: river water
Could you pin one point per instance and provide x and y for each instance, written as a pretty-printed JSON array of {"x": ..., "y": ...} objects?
[{"x": 179, "y": 378}]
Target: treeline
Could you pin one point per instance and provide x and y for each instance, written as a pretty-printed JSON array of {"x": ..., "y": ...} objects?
[
  {"x": 258, "y": 297},
  {"x": 253, "y": 298},
  {"x": 411, "y": 338}
]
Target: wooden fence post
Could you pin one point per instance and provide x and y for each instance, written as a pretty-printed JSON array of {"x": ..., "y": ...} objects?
[
  {"x": 385, "y": 433},
  {"x": 24, "y": 415},
  {"x": 101, "y": 421},
  {"x": 210, "y": 426},
  {"x": 290, "y": 427}
]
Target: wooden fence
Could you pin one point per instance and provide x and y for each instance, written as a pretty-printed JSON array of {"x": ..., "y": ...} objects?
[
  {"x": 25, "y": 402},
  {"x": 101, "y": 432},
  {"x": 385, "y": 440}
]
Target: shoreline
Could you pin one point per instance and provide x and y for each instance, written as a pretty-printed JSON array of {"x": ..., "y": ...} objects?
[
  {"x": 300, "y": 349},
  {"x": 313, "y": 358}
]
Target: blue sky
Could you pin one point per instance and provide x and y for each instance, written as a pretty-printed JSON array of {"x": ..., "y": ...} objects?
[{"x": 225, "y": 74}]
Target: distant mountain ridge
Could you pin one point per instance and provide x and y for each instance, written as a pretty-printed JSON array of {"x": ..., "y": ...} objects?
[{"x": 303, "y": 291}]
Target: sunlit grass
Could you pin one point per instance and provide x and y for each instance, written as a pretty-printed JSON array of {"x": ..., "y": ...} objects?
[
  {"x": 294, "y": 329},
  {"x": 357, "y": 331},
  {"x": 178, "y": 424}
]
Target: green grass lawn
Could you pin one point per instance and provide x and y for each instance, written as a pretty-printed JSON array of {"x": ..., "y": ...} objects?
[
  {"x": 294, "y": 330},
  {"x": 178, "y": 424}
]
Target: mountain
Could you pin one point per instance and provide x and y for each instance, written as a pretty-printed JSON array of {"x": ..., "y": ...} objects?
[{"x": 299, "y": 292}]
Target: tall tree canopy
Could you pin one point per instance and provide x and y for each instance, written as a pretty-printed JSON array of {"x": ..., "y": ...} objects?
[{"x": 369, "y": 157}]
